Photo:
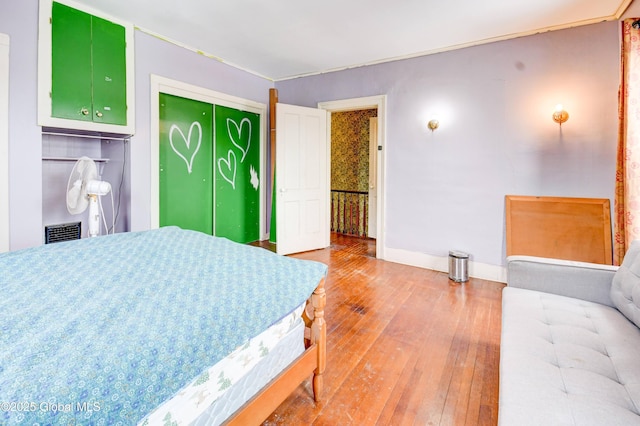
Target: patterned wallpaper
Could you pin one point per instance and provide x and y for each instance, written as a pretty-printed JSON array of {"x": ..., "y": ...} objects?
[
  {"x": 350, "y": 150},
  {"x": 350, "y": 170}
]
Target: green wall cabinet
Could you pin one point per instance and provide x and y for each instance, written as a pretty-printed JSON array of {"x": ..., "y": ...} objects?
[
  {"x": 88, "y": 80},
  {"x": 85, "y": 73}
]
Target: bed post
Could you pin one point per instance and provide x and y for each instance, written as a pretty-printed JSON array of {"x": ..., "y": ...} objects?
[{"x": 319, "y": 337}]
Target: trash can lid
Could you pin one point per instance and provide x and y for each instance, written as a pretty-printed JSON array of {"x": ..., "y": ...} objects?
[{"x": 458, "y": 254}]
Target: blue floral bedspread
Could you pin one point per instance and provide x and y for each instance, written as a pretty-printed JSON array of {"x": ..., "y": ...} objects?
[{"x": 103, "y": 330}]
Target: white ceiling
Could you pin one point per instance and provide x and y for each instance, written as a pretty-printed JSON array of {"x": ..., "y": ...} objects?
[{"x": 280, "y": 39}]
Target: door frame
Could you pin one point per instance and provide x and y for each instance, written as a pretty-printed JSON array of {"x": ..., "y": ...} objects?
[
  {"x": 369, "y": 102},
  {"x": 4, "y": 143},
  {"x": 178, "y": 88},
  {"x": 373, "y": 171}
]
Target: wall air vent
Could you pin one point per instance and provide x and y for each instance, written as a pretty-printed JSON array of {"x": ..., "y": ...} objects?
[{"x": 62, "y": 232}]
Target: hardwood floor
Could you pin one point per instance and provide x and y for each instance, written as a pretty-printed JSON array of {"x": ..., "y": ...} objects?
[{"x": 404, "y": 345}]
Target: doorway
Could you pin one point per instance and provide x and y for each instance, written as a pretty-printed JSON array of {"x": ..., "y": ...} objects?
[
  {"x": 358, "y": 206},
  {"x": 353, "y": 188}
]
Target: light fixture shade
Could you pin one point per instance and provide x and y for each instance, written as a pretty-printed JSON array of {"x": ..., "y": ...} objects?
[
  {"x": 560, "y": 115},
  {"x": 433, "y": 124}
]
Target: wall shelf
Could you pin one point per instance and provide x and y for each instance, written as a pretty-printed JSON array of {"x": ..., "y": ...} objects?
[
  {"x": 98, "y": 136},
  {"x": 97, "y": 160}
]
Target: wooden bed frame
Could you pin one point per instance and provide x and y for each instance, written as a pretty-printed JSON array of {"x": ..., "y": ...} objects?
[{"x": 313, "y": 360}]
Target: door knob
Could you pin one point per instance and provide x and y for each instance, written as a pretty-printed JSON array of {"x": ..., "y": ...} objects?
[
  {"x": 84, "y": 111},
  {"x": 98, "y": 114}
]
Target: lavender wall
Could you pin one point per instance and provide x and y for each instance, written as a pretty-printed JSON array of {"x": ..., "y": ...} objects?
[
  {"x": 445, "y": 190},
  {"x": 20, "y": 21}
]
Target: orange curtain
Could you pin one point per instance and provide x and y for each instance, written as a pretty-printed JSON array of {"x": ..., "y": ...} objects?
[{"x": 627, "y": 191}]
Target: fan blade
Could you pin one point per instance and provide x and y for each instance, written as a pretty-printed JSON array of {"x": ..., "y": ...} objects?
[
  {"x": 84, "y": 171},
  {"x": 73, "y": 196}
]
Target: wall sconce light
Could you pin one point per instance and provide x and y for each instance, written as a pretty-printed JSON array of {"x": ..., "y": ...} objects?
[
  {"x": 433, "y": 124},
  {"x": 560, "y": 115}
]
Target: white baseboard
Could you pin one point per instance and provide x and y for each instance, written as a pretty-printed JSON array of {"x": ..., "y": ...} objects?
[{"x": 476, "y": 270}]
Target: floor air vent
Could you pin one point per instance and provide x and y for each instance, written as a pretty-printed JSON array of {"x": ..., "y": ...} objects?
[{"x": 63, "y": 232}]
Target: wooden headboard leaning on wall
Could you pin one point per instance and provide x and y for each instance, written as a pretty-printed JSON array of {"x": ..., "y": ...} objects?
[{"x": 559, "y": 227}]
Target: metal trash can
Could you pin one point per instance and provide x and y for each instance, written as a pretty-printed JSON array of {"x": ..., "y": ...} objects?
[{"x": 458, "y": 266}]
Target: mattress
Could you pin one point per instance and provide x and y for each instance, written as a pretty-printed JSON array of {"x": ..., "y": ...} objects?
[
  {"x": 223, "y": 388},
  {"x": 106, "y": 330}
]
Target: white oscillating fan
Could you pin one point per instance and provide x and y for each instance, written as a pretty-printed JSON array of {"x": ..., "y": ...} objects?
[{"x": 83, "y": 190}]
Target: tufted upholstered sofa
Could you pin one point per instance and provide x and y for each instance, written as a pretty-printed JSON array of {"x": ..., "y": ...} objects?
[{"x": 570, "y": 343}]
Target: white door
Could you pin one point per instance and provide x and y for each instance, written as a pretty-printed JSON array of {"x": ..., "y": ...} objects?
[
  {"x": 373, "y": 167},
  {"x": 302, "y": 179}
]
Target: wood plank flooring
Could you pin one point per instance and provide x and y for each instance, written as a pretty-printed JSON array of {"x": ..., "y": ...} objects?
[{"x": 404, "y": 345}]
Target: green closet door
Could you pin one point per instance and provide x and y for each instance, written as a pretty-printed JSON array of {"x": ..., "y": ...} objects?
[
  {"x": 186, "y": 189},
  {"x": 109, "y": 72},
  {"x": 237, "y": 163},
  {"x": 71, "y": 63}
]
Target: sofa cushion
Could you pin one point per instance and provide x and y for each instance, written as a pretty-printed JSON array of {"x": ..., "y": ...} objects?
[
  {"x": 566, "y": 361},
  {"x": 625, "y": 288}
]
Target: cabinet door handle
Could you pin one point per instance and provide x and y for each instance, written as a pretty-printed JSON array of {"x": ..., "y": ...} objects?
[
  {"x": 98, "y": 114},
  {"x": 84, "y": 111}
]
